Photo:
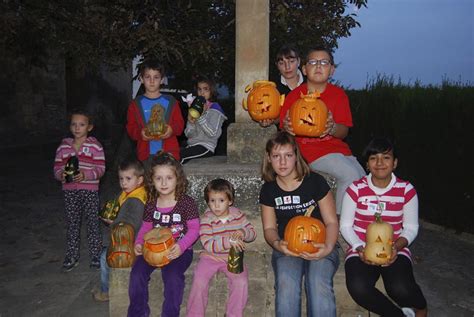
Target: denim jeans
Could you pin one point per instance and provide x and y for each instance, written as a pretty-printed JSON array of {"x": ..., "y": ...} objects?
[
  {"x": 346, "y": 170},
  {"x": 104, "y": 271},
  {"x": 318, "y": 275}
]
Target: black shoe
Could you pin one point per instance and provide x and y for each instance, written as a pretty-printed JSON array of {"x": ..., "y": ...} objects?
[
  {"x": 95, "y": 263},
  {"x": 69, "y": 264}
]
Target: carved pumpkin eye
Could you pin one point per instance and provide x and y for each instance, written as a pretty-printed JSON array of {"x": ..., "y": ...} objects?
[
  {"x": 378, "y": 239},
  {"x": 315, "y": 229}
]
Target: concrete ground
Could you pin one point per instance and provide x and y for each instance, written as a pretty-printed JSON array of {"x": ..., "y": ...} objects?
[{"x": 32, "y": 250}]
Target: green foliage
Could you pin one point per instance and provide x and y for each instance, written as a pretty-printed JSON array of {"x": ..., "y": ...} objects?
[
  {"x": 432, "y": 129},
  {"x": 192, "y": 37}
]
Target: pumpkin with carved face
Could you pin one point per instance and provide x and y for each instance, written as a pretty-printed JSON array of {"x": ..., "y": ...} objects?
[
  {"x": 308, "y": 116},
  {"x": 158, "y": 241},
  {"x": 120, "y": 253},
  {"x": 302, "y": 231},
  {"x": 156, "y": 124},
  {"x": 263, "y": 101},
  {"x": 379, "y": 241}
]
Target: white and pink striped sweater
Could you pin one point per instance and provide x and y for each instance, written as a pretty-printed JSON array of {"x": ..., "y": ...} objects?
[
  {"x": 91, "y": 162},
  {"x": 363, "y": 199}
]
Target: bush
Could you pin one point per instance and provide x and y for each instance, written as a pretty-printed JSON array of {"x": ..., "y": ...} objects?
[{"x": 433, "y": 133}]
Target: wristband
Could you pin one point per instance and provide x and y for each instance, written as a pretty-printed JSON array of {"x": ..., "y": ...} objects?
[{"x": 333, "y": 129}]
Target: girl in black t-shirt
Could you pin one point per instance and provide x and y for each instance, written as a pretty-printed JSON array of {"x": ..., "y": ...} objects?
[{"x": 290, "y": 188}]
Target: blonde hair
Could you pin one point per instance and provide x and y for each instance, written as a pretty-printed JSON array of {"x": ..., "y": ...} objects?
[
  {"x": 283, "y": 138},
  {"x": 166, "y": 159}
]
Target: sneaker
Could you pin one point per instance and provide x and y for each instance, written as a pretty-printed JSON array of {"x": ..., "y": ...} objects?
[
  {"x": 69, "y": 264},
  {"x": 101, "y": 296},
  {"x": 95, "y": 263},
  {"x": 408, "y": 311}
]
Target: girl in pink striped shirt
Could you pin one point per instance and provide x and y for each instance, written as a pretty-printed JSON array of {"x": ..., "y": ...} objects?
[
  {"x": 382, "y": 192},
  {"x": 81, "y": 189}
]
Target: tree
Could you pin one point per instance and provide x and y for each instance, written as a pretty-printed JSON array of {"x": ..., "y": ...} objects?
[{"x": 191, "y": 37}]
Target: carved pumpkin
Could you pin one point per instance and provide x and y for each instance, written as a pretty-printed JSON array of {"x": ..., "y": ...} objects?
[
  {"x": 235, "y": 261},
  {"x": 308, "y": 116},
  {"x": 110, "y": 209},
  {"x": 263, "y": 101},
  {"x": 197, "y": 107},
  {"x": 71, "y": 169},
  {"x": 379, "y": 241},
  {"x": 158, "y": 241},
  {"x": 156, "y": 124},
  {"x": 302, "y": 231},
  {"x": 120, "y": 253}
]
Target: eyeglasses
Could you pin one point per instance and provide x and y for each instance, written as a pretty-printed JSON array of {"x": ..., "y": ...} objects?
[{"x": 322, "y": 62}]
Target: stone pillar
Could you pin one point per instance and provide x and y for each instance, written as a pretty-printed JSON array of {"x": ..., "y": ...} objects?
[{"x": 245, "y": 138}]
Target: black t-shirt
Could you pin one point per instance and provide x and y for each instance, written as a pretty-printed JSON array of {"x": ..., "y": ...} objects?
[{"x": 294, "y": 203}]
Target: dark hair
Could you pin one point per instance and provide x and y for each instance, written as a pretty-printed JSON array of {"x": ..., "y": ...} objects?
[
  {"x": 319, "y": 49},
  {"x": 83, "y": 112},
  {"x": 379, "y": 145},
  {"x": 286, "y": 51},
  {"x": 152, "y": 64},
  {"x": 132, "y": 163},
  {"x": 160, "y": 159},
  {"x": 219, "y": 185},
  {"x": 283, "y": 138},
  {"x": 211, "y": 83}
]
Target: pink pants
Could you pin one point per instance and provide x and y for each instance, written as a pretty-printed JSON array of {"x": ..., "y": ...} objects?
[{"x": 237, "y": 285}]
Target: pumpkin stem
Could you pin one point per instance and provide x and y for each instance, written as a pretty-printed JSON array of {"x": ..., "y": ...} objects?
[
  {"x": 378, "y": 217},
  {"x": 309, "y": 211}
]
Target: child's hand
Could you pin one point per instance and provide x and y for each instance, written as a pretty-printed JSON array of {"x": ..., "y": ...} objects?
[
  {"x": 282, "y": 246},
  {"x": 360, "y": 250},
  {"x": 191, "y": 118},
  {"x": 287, "y": 124},
  {"x": 138, "y": 249},
  {"x": 237, "y": 243},
  {"x": 267, "y": 122},
  {"x": 323, "y": 251},
  {"x": 168, "y": 132},
  {"x": 107, "y": 221},
  {"x": 174, "y": 252},
  {"x": 144, "y": 136},
  {"x": 330, "y": 126},
  {"x": 79, "y": 177}
]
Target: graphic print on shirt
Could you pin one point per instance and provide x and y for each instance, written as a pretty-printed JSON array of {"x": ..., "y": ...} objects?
[{"x": 292, "y": 204}]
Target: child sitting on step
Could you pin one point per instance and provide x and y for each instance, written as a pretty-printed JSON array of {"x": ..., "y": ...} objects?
[
  {"x": 132, "y": 202},
  {"x": 222, "y": 227}
]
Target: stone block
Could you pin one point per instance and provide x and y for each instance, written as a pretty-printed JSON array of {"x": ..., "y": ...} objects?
[{"x": 246, "y": 142}]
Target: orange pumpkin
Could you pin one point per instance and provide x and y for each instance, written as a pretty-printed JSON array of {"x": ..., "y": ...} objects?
[
  {"x": 120, "y": 253},
  {"x": 302, "y": 231},
  {"x": 158, "y": 241},
  {"x": 308, "y": 116},
  {"x": 379, "y": 241},
  {"x": 263, "y": 101}
]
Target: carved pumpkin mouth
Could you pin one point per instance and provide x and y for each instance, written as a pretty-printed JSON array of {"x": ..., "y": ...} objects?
[
  {"x": 264, "y": 106},
  {"x": 382, "y": 255},
  {"x": 307, "y": 122}
]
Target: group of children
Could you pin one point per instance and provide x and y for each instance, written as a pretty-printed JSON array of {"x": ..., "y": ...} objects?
[{"x": 154, "y": 194}]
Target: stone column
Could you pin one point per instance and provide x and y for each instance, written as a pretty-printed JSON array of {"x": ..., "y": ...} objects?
[{"x": 245, "y": 138}]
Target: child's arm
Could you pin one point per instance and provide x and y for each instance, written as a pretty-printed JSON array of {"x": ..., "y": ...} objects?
[
  {"x": 211, "y": 242},
  {"x": 131, "y": 212},
  {"x": 134, "y": 126},
  {"x": 347, "y": 222},
  {"x": 97, "y": 163},
  {"x": 410, "y": 219},
  {"x": 176, "y": 121},
  {"x": 59, "y": 164},
  {"x": 211, "y": 122},
  {"x": 248, "y": 230},
  {"x": 191, "y": 235},
  {"x": 146, "y": 226}
]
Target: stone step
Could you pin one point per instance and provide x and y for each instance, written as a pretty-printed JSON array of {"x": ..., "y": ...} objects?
[{"x": 261, "y": 290}]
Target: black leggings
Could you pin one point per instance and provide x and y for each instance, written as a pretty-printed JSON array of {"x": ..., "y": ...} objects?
[
  {"x": 194, "y": 151},
  {"x": 398, "y": 280}
]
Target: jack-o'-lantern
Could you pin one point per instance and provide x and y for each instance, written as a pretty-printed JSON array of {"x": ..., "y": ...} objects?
[
  {"x": 156, "y": 124},
  {"x": 71, "y": 169},
  {"x": 263, "y": 101},
  {"x": 379, "y": 241},
  {"x": 120, "y": 253},
  {"x": 308, "y": 116},
  {"x": 158, "y": 241},
  {"x": 302, "y": 231},
  {"x": 110, "y": 209}
]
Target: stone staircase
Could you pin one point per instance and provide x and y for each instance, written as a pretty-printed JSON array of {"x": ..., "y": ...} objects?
[{"x": 247, "y": 182}]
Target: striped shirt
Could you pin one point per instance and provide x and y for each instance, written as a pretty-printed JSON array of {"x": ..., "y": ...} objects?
[
  {"x": 399, "y": 204},
  {"x": 215, "y": 234},
  {"x": 91, "y": 162}
]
